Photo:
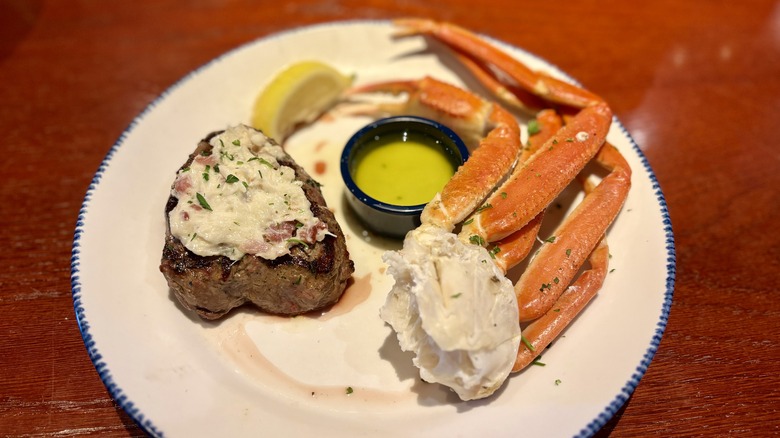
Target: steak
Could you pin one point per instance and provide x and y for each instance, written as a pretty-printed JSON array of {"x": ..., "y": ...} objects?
[{"x": 310, "y": 277}]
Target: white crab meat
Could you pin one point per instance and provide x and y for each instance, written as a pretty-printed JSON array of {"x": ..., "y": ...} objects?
[{"x": 455, "y": 310}]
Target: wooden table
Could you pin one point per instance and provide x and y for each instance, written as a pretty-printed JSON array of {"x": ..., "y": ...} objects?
[{"x": 696, "y": 83}]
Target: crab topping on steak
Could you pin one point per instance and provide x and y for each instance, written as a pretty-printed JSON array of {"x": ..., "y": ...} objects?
[{"x": 245, "y": 223}]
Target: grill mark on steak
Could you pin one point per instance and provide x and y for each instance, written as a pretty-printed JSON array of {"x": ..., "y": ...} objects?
[{"x": 307, "y": 279}]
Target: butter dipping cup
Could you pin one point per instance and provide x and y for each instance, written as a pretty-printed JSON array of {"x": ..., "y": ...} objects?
[{"x": 394, "y": 166}]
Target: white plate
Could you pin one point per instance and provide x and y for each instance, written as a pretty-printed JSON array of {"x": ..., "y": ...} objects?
[{"x": 254, "y": 374}]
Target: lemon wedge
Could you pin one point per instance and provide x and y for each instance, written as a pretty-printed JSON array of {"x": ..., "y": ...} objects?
[{"x": 297, "y": 95}]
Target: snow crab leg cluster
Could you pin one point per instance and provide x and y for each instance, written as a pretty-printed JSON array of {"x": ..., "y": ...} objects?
[{"x": 498, "y": 201}]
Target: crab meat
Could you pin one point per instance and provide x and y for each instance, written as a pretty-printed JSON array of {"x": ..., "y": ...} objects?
[{"x": 439, "y": 289}]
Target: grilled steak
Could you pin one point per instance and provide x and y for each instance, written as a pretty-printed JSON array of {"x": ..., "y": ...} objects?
[{"x": 312, "y": 275}]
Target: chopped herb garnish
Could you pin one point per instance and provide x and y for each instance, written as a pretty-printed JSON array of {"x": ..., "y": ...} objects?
[
  {"x": 557, "y": 382},
  {"x": 297, "y": 242},
  {"x": 205, "y": 176},
  {"x": 468, "y": 222},
  {"x": 556, "y": 310},
  {"x": 216, "y": 168},
  {"x": 205, "y": 153},
  {"x": 494, "y": 251},
  {"x": 538, "y": 362},
  {"x": 556, "y": 280},
  {"x": 237, "y": 142},
  {"x": 568, "y": 252},
  {"x": 349, "y": 390},
  {"x": 526, "y": 343},
  {"x": 185, "y": 169},
  {"x": 456, "y": 295},
  {"x": 533, "y": 127},
  {"x": 298, "y": 281},
  {"x": 222, "y": 143},
  {"x": 569, "y": 140},
  {"x": 550, "y": 239},
  {"x": 202, "y": 202},
  {"x": 612, "y": 270},
  {"x": 483, "y": 208},
  {"x": 264, "y": 161},
  {"x": 544, "y": 286},
  {"x": 503, "y": 195},
  {"x": 231, "y": 179},
  {"x": 476, "y": 239},
  {"x": 194, "y": 235},
  {"x": 555, "y": 141},
  {"x": 246, "y": 186}
]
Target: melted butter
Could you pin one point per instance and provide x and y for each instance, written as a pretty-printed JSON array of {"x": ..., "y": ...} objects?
[{"x": 402, "y": 170}]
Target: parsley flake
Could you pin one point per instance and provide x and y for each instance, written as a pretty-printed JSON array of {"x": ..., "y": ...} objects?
[
  {"x": 202, "y": 202},
  {"x": 526, "y": 343},
  {"x": 476, "y": 239},
  {"x": 533, "y": 127},
  {"x": 264, "y": 161},
  {"x": 297, "y": 242},
  {"x": 483, "y": 208}
]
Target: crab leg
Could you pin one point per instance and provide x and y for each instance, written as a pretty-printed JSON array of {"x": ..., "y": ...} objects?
[
  {"x": 463, "y": 41},
  {"x": 511, "y": 97},
  {"x": 537, "y": 182},
  {"x": 540, "y": 333},
  {"x": 467, "y": 114},
  {"x": 561, "y": 256},
  {"x": 534, "y": 184},
  {"x": 514, "y": 248}
]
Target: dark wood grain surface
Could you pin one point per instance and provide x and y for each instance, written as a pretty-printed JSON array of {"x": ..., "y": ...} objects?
[{"x": 696, "y": 83}]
